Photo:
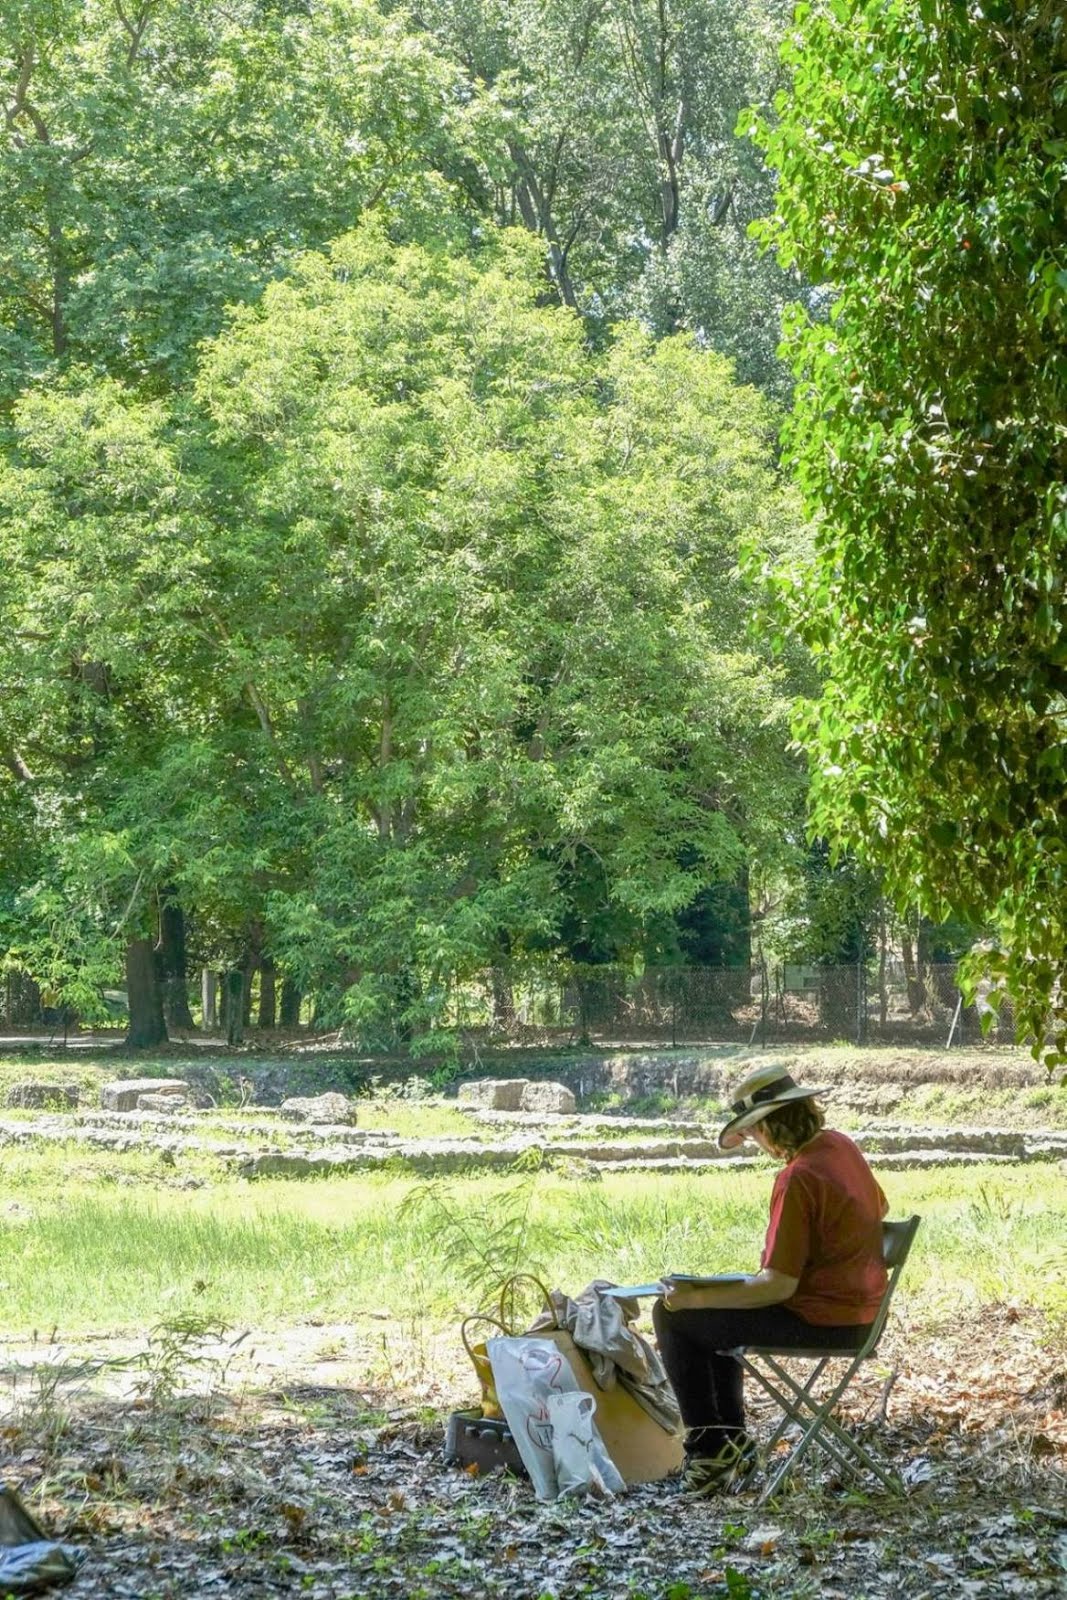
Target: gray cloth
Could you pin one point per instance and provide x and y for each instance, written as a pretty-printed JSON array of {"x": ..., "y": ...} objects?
[
  {"x": 29, "y": 1560},
  {"x": 600, "y": 1327},
  {"x": 28, "y": 1568}
]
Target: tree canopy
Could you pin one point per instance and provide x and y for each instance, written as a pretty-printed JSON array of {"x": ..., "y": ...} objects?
[
  {"x": 164, "y": 159},
  {"x": 411, "y": 632},
  {"x": 922, "y": 168},
  {"x": 619, "y": 126}
]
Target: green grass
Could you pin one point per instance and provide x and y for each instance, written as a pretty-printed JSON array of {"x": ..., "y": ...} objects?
[
  {"x": 415, "y": 1119},
  {"x": 1043, "y": 1105},
  {"x": 94, "y": 1254},
  {"x": 93, "y": 1240}
]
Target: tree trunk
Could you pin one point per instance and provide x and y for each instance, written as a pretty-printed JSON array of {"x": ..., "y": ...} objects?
[
  {"x": 235, "y": 1005},
  {"x": 289, "y": 1012},
  {"x": 209, "y": 998},
  {"x": 267, "y": 993},
  {"x": 23, "y": 1001},
  {"x": 504, "y": 1017},
  {"x": 172, "y": 956},
  {"x": 144, "y": 993},
  {"x": 536, "y": 212},
  {"x": 912, "y": 976}
]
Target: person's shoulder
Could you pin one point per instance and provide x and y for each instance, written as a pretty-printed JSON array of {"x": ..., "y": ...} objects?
[
  {"x": 834, "y": 1155},
  {"x": 834, "y": 1139},
  {"x": 827, "y": 1148}
]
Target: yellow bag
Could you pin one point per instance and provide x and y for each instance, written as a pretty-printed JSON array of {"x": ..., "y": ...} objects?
[
  {"x": 505, "y": 1323},
  {"x": 479, "y": 1356}
]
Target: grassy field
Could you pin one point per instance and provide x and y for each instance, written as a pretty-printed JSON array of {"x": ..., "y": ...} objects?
[
  {"x": 88, "y": 1244},
  {"x": 203, "y": 1377},
  {"x": 98, "y": 1240}
]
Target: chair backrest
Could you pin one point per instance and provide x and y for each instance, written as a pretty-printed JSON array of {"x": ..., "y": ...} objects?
[{"x": 897, "y": 1240}]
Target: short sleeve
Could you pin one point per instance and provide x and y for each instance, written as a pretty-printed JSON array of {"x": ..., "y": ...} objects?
[{"x": 787, "y": 1247}]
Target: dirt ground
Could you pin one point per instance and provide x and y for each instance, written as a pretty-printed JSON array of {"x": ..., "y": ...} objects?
[{"x": 285, "y": 1476}]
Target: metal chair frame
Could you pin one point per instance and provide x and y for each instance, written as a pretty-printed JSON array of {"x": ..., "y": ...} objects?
[{"x": 797, "y": 1400}]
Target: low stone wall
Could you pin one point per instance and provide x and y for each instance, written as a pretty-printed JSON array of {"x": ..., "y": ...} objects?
[{"x": 573, "y": 1143}]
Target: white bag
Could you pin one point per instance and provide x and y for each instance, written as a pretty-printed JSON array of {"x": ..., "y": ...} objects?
[
  {"x": 574, "y": 1444},
  {"x": 553, "y": 1430}
]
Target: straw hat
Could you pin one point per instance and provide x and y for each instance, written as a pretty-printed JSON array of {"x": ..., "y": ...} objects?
[{"x": 761, "y": 1092}]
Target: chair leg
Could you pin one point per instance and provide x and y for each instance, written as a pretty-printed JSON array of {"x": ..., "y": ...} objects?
[
  {"x": 811, "y": 1430},
  {"x": 787, "y": 1411},
  {"x": 818, "y": 1425}
]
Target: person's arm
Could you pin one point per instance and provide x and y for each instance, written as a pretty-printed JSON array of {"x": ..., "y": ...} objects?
[
  {"x": 764, "y": 1288},
  {"x": 785, "y": 1251}
]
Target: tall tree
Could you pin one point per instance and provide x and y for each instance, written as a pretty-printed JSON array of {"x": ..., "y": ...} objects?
[
  {"x": 415, "y": 618},
  {"x": 162, "y": 159},
  {"x": 922, "y": 178},
  {"x": 624, "y": 158},
  {"x": 158, "y": 162}
]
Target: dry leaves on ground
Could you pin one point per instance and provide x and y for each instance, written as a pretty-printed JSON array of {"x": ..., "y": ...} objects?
[{"x": 312, "y": 1492}]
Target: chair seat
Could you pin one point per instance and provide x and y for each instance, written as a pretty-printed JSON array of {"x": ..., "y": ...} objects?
[{"x": 807, "y": 1353}]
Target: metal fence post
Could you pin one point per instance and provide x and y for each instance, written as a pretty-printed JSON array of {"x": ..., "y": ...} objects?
[{"x": 956, "y": 1019}]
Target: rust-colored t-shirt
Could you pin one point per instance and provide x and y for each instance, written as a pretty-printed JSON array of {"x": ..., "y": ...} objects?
[{"x": 826, "y": 1230}]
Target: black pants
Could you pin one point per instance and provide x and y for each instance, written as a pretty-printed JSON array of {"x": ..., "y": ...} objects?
[{"x": 705, "y": 1379}]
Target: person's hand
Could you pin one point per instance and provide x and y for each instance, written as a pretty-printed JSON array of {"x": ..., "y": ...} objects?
[{"x": 679, "y": 1296}]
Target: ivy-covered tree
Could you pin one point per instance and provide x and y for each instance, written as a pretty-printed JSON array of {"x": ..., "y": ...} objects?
[{"x": 923, "y": 180}]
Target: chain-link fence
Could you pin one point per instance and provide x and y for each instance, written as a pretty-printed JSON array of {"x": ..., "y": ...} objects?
[
  {"x": 886, "y": 1002},
  {"x": 877, "y": 1003}
]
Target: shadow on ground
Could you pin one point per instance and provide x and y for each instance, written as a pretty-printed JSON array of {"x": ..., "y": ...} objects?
[{"x": 339, "y": 1494}]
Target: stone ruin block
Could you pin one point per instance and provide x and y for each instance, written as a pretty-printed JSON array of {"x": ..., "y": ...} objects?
[
  {"x": 167, "y": 1103},
  {"x": 494, "y": 1094},
  {"x": 333, "y": 1108},
  {"x": 275, "y": 1164},
  {"x": 124, "y": 1094},
  {"x": 554, "y": 1097},
  {"x": 44, "y": 1096}
]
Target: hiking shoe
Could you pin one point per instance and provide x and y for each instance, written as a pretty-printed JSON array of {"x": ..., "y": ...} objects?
[{"x": 713, "y": 1474}]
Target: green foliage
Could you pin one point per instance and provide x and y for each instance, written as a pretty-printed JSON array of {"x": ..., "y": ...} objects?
[
  {"x": 922, "y": 165},
  {"x": 163, "y": 161},
  {"x": 620, "y": 125},
  {"x": 827, "y": 912},
  {"x": 481, "y": 1246},
  {"x": 410, "y": 622},
  {"x": 181, "y": 1351}
]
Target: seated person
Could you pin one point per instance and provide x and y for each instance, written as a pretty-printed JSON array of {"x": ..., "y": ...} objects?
[{"x": 821, "y": 1278}]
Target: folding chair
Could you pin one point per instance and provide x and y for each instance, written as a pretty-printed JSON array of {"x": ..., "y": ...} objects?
[{"x": 798, "y": 1402}]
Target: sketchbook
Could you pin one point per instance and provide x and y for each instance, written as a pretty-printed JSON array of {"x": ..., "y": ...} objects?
[{"x": 642, "y": 1291}]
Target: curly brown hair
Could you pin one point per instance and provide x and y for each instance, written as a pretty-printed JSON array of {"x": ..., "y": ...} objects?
[{"x": 792, "y": 1125}]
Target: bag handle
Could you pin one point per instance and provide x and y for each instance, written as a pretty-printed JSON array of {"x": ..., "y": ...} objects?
[
  {"x": 478, "y": 1316},
  {"x": 483, "y": 1367},
  {"x": 508, "y": 1287}
]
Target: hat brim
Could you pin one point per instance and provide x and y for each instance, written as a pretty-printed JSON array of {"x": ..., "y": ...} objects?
[{"x": 730, "y": 1136}]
